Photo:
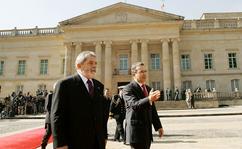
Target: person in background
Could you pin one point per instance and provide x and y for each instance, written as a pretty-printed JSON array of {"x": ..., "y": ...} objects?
[
  {"x": 176, "y": 94},
  {"x": 107, "y": 101},
  {"x": 117, "y": 111},
  {"x": 141, "y": 112},
  {"x": 48, "y": 132}
]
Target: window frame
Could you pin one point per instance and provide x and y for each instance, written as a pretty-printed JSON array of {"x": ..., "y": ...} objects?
[
  {"x": 185, "y": 62},
  {"x": 2, "y": 63},
  {"x": 21, "y": 67},
  {"x": 44, "y": 66},
  {"x": 232, "y": 60},
  {"x": 155, "y": 61}
]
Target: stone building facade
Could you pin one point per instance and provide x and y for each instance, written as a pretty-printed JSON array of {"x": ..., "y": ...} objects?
[{"x": 179, "y": 53}]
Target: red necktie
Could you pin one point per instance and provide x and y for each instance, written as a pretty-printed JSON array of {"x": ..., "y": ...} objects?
[
  {"x": 90, "y": 87},
  {"x": 144, "y": 90}
]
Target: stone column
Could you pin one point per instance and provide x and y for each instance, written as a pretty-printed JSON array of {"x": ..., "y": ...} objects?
[
  {"x": 134, "y": 51},
  {"x": 78, "y": 48},
  {"x": 68, "y": 53},
  {"x": 166, "y": 66},
  {"x": 98, "y": 50},
  {"x": 108, "y": 65},
  {"x": 145, "y": 57},
  {"x": 239, "y": 22},
  {"x": 176, "y": 63}
]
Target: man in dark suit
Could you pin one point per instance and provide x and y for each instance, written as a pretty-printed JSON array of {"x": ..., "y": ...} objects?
[
  {"x": 77, "y": 114},
  {"x": 117, "y": 110},
  {"x": 140, "y": 110},
  {"x": 48, "y": 102}
]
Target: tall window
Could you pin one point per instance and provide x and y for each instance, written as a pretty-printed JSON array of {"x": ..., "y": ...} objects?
[
  {"x": 21, "y": 67},
  {"x": 185, "y": 62},
  {"x": 63, "y": 66},
  {"x": 19, "y": 88},
  {"x": 43, "y": 66},
  {"x": 123, "y": 64},
  {"x": 155, "y": 85},
  {"x": 155, "y": 61},
  {"x": 208, "y": 61},
  {"x": 1, "y": 67},
  {"x": 210, "y": 84},
  {"x": 187, "y": 84},
  {"x": 234, "y": 84},
  {"x": 232, "y": 60}
]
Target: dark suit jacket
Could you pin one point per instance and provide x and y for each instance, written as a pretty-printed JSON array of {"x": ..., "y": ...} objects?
[
  {"x": 48, "y": 102},
  {"x": 140, "y": 115},
  {"x": 77, "y": 118}
]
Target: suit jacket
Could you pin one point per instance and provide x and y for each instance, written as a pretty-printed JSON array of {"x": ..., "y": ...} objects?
[
  {"x": 77, "y": 118},
  {"x": 140, "y": 115},
  {"x": 117, "y": 107},
  {"x": 48, "y": 102}
]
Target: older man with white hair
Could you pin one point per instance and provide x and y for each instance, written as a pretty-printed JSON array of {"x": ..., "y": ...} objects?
[{"x": 77, "y": 114}]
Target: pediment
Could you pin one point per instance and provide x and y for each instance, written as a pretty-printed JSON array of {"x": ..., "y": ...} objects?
[{"x": 121, "y": 13}]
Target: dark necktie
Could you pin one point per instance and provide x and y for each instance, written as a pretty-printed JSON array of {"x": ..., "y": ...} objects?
[
  {"x": 90, "y": 87},
  {"x": 144, "y": 90}
]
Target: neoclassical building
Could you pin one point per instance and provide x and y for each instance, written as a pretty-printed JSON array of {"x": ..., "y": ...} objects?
[{"x": 206, "y": 52}]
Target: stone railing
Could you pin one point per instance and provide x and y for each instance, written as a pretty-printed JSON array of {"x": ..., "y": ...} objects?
[
  {"x": 217, "y": 95},
  {"x": 30, "y": 32},
  {"x": 212, "y": 23}
]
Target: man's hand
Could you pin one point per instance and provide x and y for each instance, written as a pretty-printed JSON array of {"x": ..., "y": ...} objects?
[
  {"x": 161, "y": 132},
  {"x": 154, "y": 95},
  {"x": 63, "y": 147}
]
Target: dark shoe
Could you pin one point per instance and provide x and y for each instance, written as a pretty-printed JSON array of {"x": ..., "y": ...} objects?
[{"x": 43, "y": 146}]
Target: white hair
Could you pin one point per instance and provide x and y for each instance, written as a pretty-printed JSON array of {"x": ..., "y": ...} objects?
[{"x": 82, "y": 57}]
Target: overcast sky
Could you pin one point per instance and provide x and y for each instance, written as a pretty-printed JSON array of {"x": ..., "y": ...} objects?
[{"x": 47, "y": 13}]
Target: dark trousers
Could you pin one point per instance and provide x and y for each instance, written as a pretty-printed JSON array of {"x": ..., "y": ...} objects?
[
  {"x": 119, "y": 132},
  {"x": 144, "y": 145},
  {"x": 46, "y": 136}
]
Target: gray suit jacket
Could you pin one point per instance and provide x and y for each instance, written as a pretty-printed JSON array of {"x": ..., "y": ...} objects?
[{"x": 140, "y": 115}]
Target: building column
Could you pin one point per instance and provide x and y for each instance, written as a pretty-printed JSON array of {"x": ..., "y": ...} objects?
[
  {"x": 68, "y": 54},
  {"x": 98, "y": 51},
  {"x": 176, "y": 63},
  {"x": 166, "y": 66},
  {"x": 134, "y": 51},
  {"x": 108, "y": 65},
  {"x": 78, "y": 48},
  {"x": 145, "y": 57}
]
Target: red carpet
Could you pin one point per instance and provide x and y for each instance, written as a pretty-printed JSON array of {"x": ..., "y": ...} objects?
[{"x": 26, "y": 140}]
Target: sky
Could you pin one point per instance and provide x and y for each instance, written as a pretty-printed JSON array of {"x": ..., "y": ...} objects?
[{"x": 48, "y": 13}]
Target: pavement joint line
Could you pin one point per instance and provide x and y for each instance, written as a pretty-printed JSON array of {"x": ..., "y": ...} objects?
[{"x": 160, "y": 115}]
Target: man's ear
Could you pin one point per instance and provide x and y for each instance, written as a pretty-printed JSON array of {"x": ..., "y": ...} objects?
[{"x": 78, "y": 66}]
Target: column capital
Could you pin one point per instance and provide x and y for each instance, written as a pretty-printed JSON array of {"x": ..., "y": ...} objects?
[
  {"x": 77, "y": 43},
  {"x": 175, "y": 39},
  {"x": 133, "y": 41},
  {"x": 68, "y": 44},
  {"x": 165, "y": 40},
  {"x": 107, "y": 42},
  {"x": 144, "y": 40},
  {"x": 98, "y": 42}
]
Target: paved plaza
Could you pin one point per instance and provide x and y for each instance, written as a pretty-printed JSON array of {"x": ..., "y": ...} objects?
[{"x": 183, "y": 131}]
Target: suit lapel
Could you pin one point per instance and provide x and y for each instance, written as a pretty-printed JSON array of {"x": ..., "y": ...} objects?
[
  {"x": 81, "y": 84},
  {"x": 97, "y": 88},
  {"x": 137, "y": 89}
]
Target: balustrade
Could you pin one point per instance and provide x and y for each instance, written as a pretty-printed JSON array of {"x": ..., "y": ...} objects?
[{"x": 29, "y": 32}]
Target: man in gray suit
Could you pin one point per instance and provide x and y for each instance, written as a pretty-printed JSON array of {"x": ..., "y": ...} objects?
[{"x": 140, "y": 110}]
